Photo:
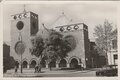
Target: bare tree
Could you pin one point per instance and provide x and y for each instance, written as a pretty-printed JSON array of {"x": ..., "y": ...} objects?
[{"x": 103, "y": 38}]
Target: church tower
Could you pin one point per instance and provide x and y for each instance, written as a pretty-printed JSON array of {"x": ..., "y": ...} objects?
[
  {"x": 23, "y": 27},
  {"x": 77, "y": 36}
]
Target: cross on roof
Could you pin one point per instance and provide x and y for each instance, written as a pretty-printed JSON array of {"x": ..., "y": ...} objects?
[{"x": 24, "y": 8}]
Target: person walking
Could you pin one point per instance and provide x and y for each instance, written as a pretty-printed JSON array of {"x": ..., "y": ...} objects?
[
  {"x": 15, "y": 69},
  {"x": 36, "y": 69},
  {"x": 39, "y": 68},
  {"x": 82, "y": 66}
]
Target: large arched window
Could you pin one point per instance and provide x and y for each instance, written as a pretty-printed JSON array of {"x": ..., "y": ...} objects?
[
  {"x": 71, "y": 41},
  {"x": 24, "y": 64},
  {"x": 73, "y": 63},
  {"x": 43, "y": 63},
  {"x": 33, "y": 64},
  {"x": 52, "y": 64},
  {"x": 63, "y": 63}
]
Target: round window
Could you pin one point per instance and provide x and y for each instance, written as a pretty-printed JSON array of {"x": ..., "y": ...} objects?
[
  {"x": 71, "y": 41},
  {"x": 19, "y": 47},
  {"x": 20, "y": 25}
]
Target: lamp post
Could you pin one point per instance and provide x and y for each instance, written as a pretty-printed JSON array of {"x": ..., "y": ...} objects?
[
  {"x": 20, "y": 48},
  {"x": 92, "y": 62},
  {"x": 21, "y": 63}
]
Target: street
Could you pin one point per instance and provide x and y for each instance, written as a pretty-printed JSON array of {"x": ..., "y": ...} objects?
[
  {"x": 73, "y": 74},
  {"x": 53, "y": 73}
]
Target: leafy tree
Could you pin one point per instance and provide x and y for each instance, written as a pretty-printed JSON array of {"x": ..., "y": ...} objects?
[
  {"x": 52, "y": 48},
  {"x": 8, "y": 61},
  {"x": 56, "y": 47},
  {"x": 103, "y": 38},
  {"x": 37, "y": 48}
]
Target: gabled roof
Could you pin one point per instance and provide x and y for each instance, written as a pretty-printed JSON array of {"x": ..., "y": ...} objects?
[
  {"x": 43, "y": 33},
  {"x": 61, "y": 20}
]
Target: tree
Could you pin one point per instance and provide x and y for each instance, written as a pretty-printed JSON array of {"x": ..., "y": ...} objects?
[
  {"x": 103, "y": 38},
  {"x": 8, "y": 61},
  {"x": 37, "y": 48},
  {"x": 52, "y": 48},
  {"x": 56, "y": 47}
]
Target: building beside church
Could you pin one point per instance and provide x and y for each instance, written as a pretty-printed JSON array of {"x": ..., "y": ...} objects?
[
  {"x": 113, "y": 51},
  {"x": 25, "y": 25}
]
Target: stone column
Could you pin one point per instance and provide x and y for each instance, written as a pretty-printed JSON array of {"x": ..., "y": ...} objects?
[
  {"x": 68, "y": 65},
  {"x": 19, "y": 66},
  {"x": 83, "y": 63},
  {"x": 28, "y": 66},
  {"x": 57, "y": 65},
  {"x": 46, "y": 65}
]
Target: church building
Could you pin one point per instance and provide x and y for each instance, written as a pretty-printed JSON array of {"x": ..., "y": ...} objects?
[{"x": 25, "y": 25}]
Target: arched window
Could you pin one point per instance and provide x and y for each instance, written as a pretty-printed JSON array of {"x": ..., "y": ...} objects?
[
  {"x": 43, "y": 63},
  {"x": 73, "y": 63},
  {"x": 33, "y": 64},
  {"x": 63, "y": 63},
  {"x": 24, "y": 64},
  {"x": 52, "y": 64},
  {"x": 17, "y": 64}
]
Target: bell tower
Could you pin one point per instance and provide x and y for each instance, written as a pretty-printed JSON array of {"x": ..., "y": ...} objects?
[
  {"x": 77, "y": 36},
  {"x": 23, "y": 27}
]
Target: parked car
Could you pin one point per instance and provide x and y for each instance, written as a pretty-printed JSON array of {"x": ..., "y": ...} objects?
[{"x": 109, "y": 70}]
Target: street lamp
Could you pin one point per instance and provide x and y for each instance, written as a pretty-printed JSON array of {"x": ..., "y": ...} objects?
[
  {"x": 92, "y": 62},
  {"x": 20, "y": 48}
]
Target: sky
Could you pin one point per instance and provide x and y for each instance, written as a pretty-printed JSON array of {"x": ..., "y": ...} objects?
[{"x": 91, "y": 14}]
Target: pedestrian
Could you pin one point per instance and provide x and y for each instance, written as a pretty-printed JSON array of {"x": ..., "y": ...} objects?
[
  {"x": 50, "y": 66},
  {"x": 36, "y": 68},
  {"x": 82, "y": 66},
  {"x": 15, "y": 69},
  {"x": 79, "y": 67},
  {"x": 39, "y": 68}
]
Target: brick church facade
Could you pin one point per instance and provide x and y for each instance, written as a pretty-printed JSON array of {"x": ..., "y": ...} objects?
[{"x": 25, "y": 25}]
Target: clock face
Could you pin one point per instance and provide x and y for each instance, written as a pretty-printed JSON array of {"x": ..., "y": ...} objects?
[{"x": 20, "y": 25}]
